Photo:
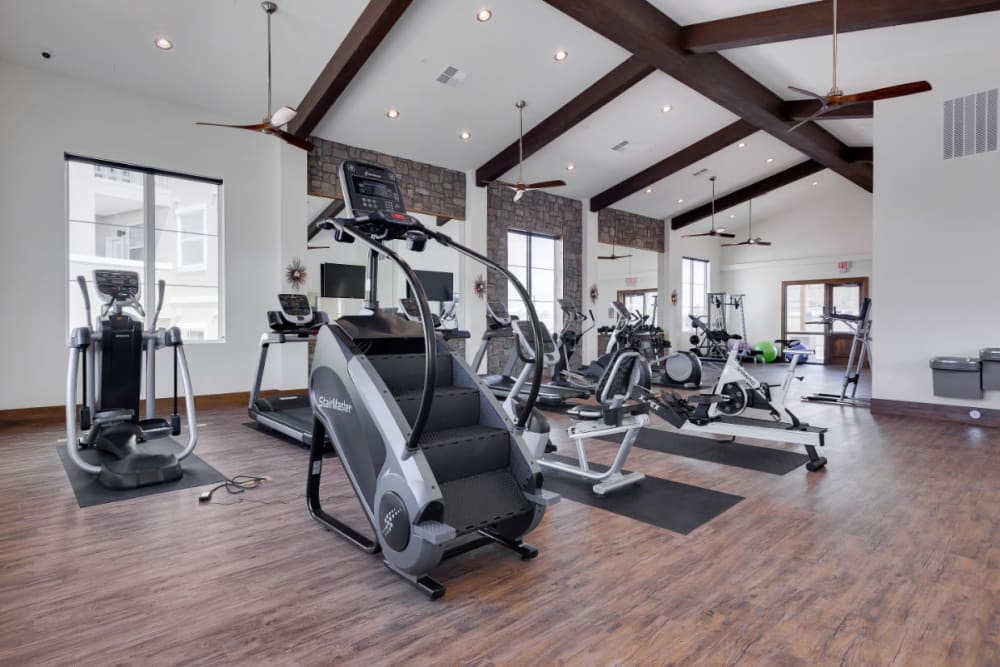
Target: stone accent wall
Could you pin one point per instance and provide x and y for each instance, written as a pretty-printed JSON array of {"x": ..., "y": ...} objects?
[
  {"x": 630, "y": 230},
  {"x": 426, "y": 188},
  {"x": 536, "y": 212}
]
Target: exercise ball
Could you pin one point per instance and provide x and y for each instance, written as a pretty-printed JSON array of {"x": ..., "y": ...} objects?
[
  {"x": 803, "y": 358},
  {"x": 768, "y": 351}
]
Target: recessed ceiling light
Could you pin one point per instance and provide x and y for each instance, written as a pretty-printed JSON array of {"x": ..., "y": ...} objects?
[
  {"x": 484, "y": 15},
  {"x": 666, "y": 108},
  {"x": 570, "y": 167},
  {"x": 815, "y": 182},
  {"x": 561, "y": 55},
  {"x": 163, "y": 43},
  {"x": 680, "y": 201},
  {"x": 732, "y": 216},
  {"x": 392, "y": 113},
  {"x": 742, "y": 144},
  {"x": 465, "y": 135},
  {"x": 769, "y": 160},
  {"x": 648, "y": 190}
]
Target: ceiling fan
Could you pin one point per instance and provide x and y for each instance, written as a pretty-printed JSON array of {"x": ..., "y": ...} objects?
[
  {"x": 520, "y": 187},
  {"x": 721, "y": 231},
  {"x": 836, "y": 96},
  {"x": 750, "y": 237},
  {"x": 272, "y": 123},
  {"x": 613, "y": 255}
]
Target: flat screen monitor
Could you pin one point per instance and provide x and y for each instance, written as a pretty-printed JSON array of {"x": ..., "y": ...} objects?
[
  {"x": 345, "y": 281},
  {"x": 438, "y": 285}
]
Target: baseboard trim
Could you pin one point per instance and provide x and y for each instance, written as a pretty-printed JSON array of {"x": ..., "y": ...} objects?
[
  {"x": 936, "y": 411},
  {"x": 57, "y": 413}
]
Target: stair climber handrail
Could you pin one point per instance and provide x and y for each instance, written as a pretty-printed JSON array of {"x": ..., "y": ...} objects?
[
  {"x": 536, "y": 329},
  {"x": 426, "y": 321}
]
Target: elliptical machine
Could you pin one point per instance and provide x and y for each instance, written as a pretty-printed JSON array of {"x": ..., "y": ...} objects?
[
  {"x": 113, "y": 351},
  {"x": 438, "y": 467}
]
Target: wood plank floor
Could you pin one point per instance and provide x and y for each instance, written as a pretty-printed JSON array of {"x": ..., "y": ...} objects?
[{"x": 889, "y": 557}]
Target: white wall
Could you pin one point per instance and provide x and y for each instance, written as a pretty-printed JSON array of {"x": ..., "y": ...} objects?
[
  {"x": 936, "y": 237},
  {"x": 42, "y": 117},
  {"x": 831, "y": 222}
]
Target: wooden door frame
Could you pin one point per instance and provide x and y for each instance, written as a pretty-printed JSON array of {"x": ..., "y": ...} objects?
[{"x": 828, "y": 285}]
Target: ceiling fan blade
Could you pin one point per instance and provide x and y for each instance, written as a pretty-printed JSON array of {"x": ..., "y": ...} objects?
[
  {"x": 819, "y": 112},
  {"x": 691, "y": 236},
  {"x": 900, "y": 90},
  {"x": 292, "y": 139},
  {"x": 512, "y": 186},
  {"x": 256, "y": 126},
  {"x": 729, "y": 245},
  {"x": 282, "y": 116},
  {"x": 544, "y": 184},
  {"x": 725, "y": 235},
  {"x": 759, "y": 242},
  {"x": 808, "y": 93}
]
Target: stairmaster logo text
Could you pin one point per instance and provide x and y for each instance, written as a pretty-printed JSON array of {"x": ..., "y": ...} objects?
[{"x": 335, "y": 404}]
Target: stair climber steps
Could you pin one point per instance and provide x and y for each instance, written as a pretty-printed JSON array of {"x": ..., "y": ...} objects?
[
  {"x": 452, "y": 407},
  {"x": 482, "y": 500},
  {"x": 465, "y": 451},
  {"x": 405, "y": 372}
]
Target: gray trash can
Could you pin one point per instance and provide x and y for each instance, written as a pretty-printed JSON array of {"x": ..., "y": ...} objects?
[
  {"x": 990, "y": 357},
  {"x": 957, "y": 377}
]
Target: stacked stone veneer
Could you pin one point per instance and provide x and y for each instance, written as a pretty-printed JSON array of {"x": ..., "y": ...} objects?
[
  {"x": 426, "y": 188},
  {"x": 622, "y": 228},
  {"x": 536, "y": 212}
]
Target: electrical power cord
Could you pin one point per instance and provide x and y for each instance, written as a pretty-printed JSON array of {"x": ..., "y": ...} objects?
[{"x": 235, "y": 485}]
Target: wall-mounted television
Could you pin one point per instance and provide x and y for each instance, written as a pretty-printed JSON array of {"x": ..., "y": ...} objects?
[
  {"x": 438, "y": 285},
  {"x": 344, "y": 281}
]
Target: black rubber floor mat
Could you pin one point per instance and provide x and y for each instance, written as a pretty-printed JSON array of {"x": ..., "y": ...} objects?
[
  {"x": 672, "y": 506},
  {"x": 751, "y": 457},
  {"x": 89, "y": 492}
]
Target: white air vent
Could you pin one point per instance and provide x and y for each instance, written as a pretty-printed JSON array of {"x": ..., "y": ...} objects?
[
  {"x": 451, "y": 76},
  {"x": 620, "y": 146},
  {"x": 970, "y": 124}
]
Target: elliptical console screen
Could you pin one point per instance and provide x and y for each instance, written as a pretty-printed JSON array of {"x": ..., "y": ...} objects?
[
  {"x": 369, "y": 188},
  {"x": 295, "y": 307},
  {"x": 119, "y": 285}
]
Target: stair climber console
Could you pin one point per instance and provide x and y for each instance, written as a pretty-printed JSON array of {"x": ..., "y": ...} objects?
[{"x": 437, "y": 465}]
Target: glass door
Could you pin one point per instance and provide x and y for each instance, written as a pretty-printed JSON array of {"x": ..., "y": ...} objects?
[{"x": 803, "y": 313}]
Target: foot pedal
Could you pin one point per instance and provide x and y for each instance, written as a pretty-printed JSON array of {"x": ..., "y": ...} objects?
[
  {"x": 434, "y": 532},
  {"x": 544, "y": 498}
]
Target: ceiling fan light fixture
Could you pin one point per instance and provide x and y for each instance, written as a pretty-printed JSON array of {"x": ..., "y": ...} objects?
[
  {"x": 484, "y": 15},
  {"x": 163, "y": 43},
  {"x": 561, "y": 55},
  {"x": 282, "y": 116}
]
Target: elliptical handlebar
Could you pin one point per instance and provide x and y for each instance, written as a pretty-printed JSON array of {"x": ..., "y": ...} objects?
[
  {"x": 82, "y": 282},
  {"x": 161, "y": 288}
]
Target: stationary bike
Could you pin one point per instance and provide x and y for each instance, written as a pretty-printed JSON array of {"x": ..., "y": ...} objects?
[{"x": 742, "y": 391}]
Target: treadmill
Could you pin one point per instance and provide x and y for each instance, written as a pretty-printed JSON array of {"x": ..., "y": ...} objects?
[
  {"x": 288, "y": 414},
  {"x": 502, "y": 325}
]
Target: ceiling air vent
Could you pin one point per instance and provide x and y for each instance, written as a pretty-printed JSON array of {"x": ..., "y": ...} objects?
[
  {"x": 620, "y": 146},
  {"x": 700, "y": 172},
  {"x": 451, "y": 76},
  {"x": 970, "y": 124}
]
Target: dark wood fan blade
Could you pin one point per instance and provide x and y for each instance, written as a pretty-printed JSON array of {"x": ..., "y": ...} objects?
[
  {"x": 512, "y": 186},
  {"x": 762, "y": 243},
  {"x": 819, "y": 112},
  {"x": 729, "y": 245},
  {"x": 292, "y": 139},
  {"x": 544, "y": 184},
  {"x": 691, "y": 236},
  {"x": 725, "y": 235},
  {"x": 256, "y": 126},
  {"x": 886, "y": 93},
  {"x": 808, "y": 93}
]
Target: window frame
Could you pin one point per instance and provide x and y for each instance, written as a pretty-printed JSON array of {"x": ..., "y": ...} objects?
[
  {"x": 556, "y": 270},
  {"x": 687, "y": 290},
  {"x": 148, "y": 278}
]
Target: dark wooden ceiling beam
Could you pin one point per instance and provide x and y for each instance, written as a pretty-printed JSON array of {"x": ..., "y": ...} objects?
[
  {"x": 683, "y": 158},
  {"x": 365, "y": 35},
  {"x": 814, "y": 19},
  {"x": 653, "y": 37},
  {"x": 607, "y": 88},
  {"x": 801, "y": 109},
  {"x": 861, "y": 154},
  {"x": 744, "y": 194},
  {"x": 331, "y": 211}
]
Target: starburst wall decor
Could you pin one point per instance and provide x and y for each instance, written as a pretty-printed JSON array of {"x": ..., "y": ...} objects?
[{"x": 295, "y": 274}]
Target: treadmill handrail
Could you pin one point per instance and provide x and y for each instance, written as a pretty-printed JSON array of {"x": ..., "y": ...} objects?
[
  {"x": 351, "y": 227},
  {"x": 536, "y": 329}
]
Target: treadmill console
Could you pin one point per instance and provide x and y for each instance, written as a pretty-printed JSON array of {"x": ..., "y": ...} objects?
[
  {"x": 370, "y": 189},
  {"x": 295, "y": 308},
  {"x": 295, "y": 316},
  {"x": 116, "y": 285}
]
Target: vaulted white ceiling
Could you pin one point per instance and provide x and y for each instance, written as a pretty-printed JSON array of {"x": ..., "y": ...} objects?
[{"x": 218, "y": 64}]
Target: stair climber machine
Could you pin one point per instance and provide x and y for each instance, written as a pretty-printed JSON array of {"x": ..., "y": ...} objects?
[
  {"x": 739, "y": 405},
  {"x": 111, "y": 356},
  {"x": 614, "y": 414},
  {"x": 290, "y": 414},
  {"x": 438, "y": 466},
  {"x": 499, "y": 325}
]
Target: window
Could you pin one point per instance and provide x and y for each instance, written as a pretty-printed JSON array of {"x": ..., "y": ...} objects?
[
  {"x": 641, "y": 300},
  {"x": 163, "y": 225},
  {"x": 533, "y": 259},
  {"x": 695, "y": 284}
]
